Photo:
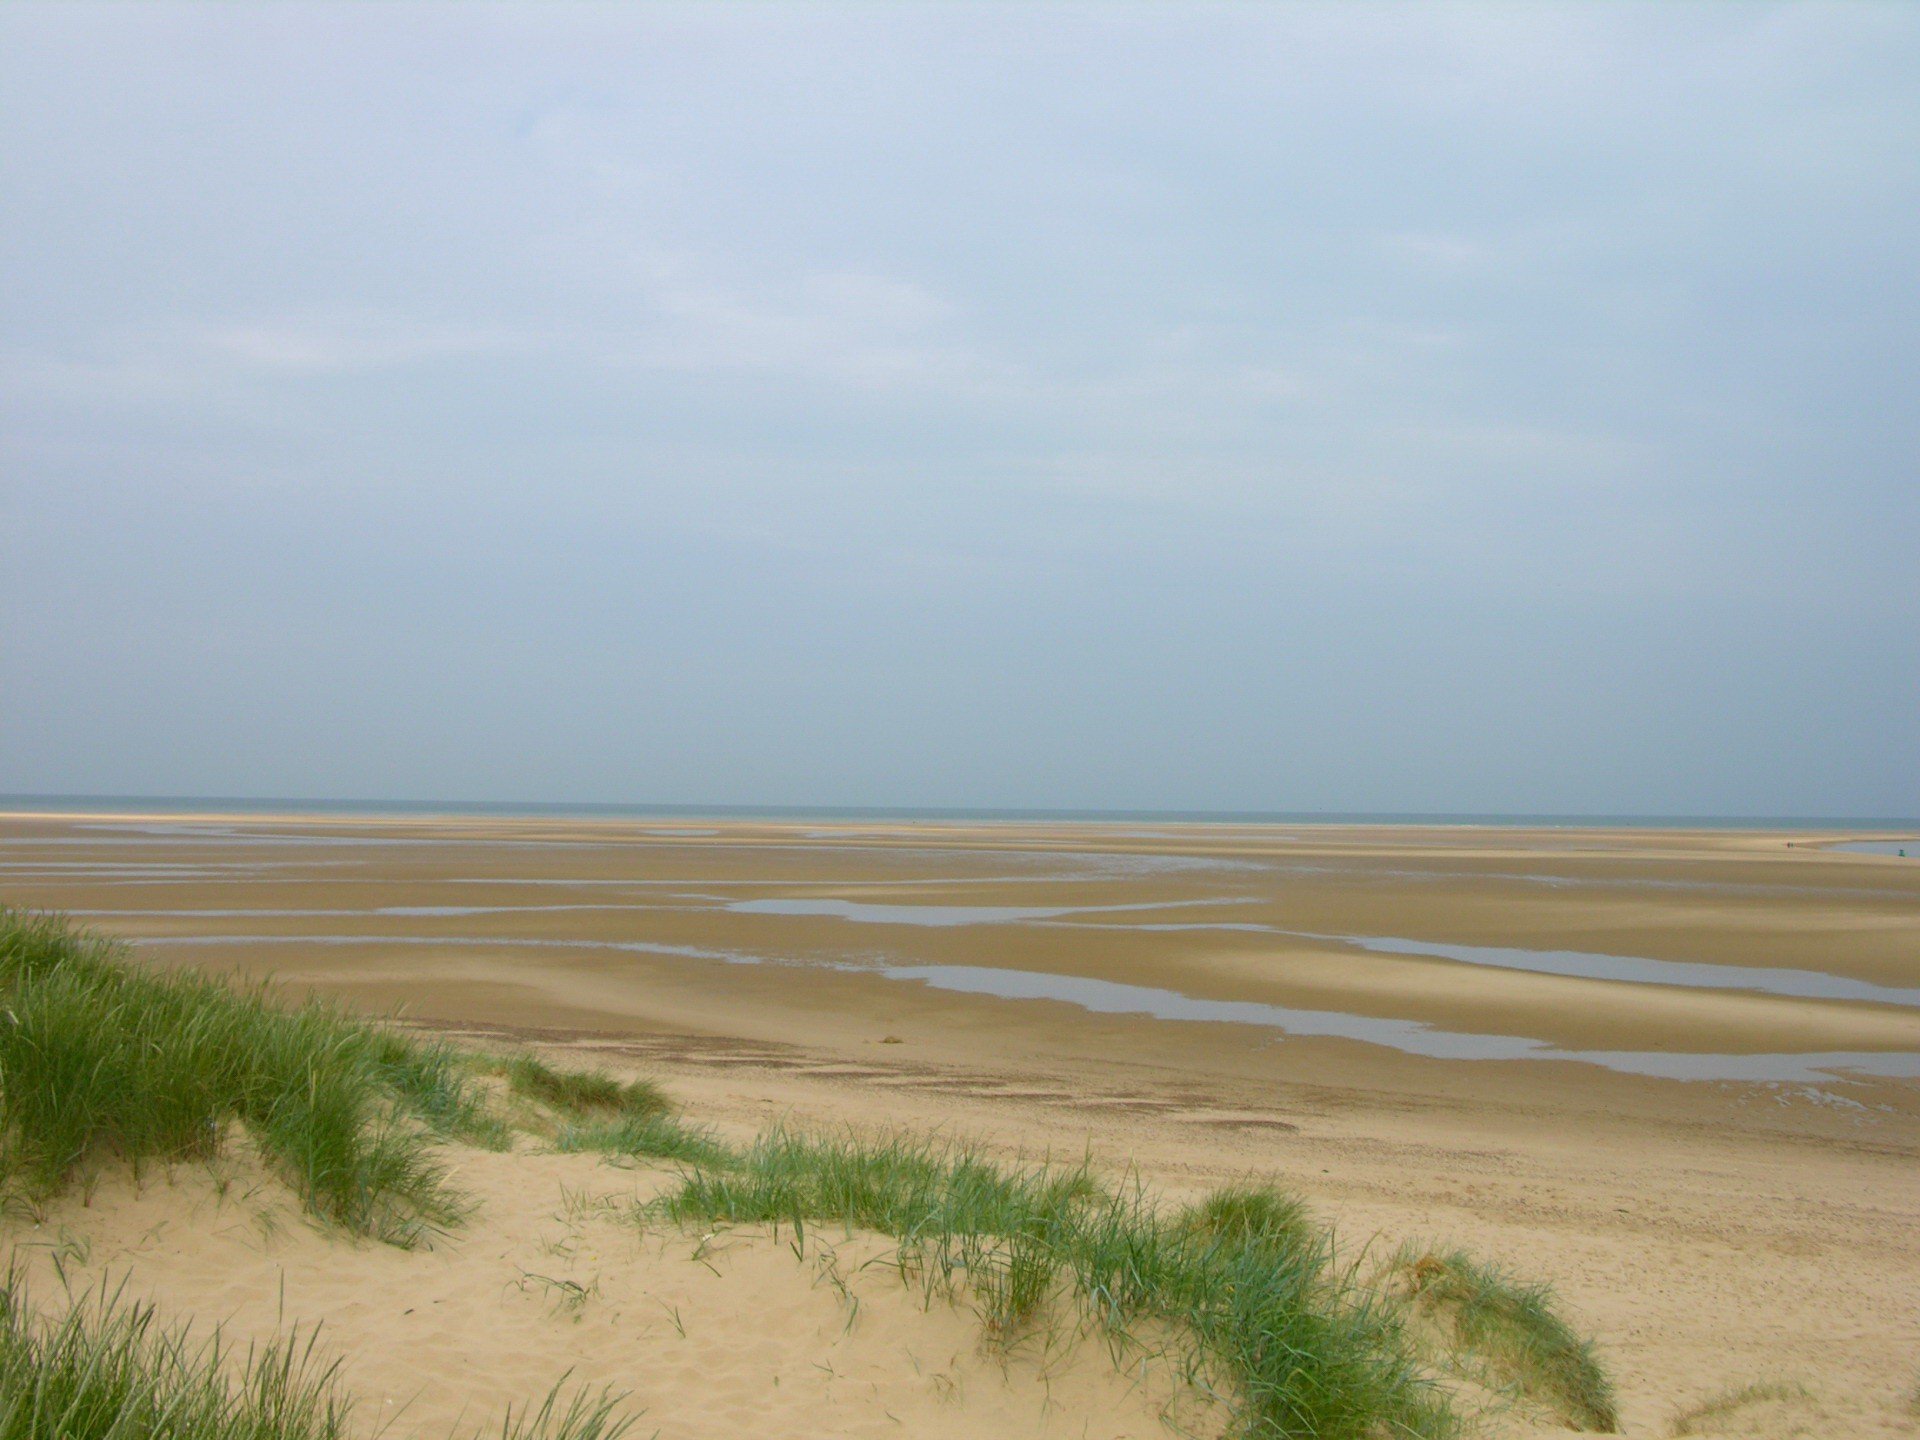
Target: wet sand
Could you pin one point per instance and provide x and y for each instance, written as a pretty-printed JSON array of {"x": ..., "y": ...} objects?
[{"x": 1710, "y": 1231}]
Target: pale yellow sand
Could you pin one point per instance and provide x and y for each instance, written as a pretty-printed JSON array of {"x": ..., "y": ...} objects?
[
  {"x": 1707, "y": 1233},
  {"x": 727, "y": 1336}
]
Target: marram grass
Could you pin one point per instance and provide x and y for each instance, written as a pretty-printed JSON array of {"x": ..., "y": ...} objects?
[
  {"x": 643, "y": 1137},
  {"x": 583, "y": 1094},
  {"x": 100, "y": 1057},
  {"x": 1244, "y": 1273},
  {"x": 1514, "y": 1329},
  {"x": 104, "y": 1369}
]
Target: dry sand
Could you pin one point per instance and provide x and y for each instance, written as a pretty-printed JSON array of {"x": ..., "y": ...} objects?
[{"x": 1708, "y": 1232}]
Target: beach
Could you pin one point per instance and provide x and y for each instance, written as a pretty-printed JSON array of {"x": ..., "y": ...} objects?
[{"x": 1674, "y": 1072}]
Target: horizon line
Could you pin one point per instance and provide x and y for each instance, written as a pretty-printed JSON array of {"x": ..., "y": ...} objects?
[{"x": 39, "y": 802}]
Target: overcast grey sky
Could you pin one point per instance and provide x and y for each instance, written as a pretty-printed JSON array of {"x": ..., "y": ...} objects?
[{"x": 1404, "y": 408}]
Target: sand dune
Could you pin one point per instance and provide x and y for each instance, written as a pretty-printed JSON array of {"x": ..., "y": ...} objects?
[
  {"x": 1709, "y": 1234},
  {"x": 731, "y": 1337}
]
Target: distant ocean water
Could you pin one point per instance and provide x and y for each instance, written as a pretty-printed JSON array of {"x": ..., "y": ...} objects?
[{"x": 187, "y": 804}]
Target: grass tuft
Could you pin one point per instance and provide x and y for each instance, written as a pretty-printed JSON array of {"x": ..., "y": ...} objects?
[
  {"x": 582, "y": 1415},
  {"x": 1515, "y": 1329},
  {"x": 98, "y": 1056},
  {"x": 1705, "y": 1417},
  {"x": 104, "y": 1369},
  {"x": 1253, "y": 1215},
  {"x": 651, "y": 1137},
  {"x": 1245, "y": 1273},
  {"x": 1250, "y": 1276},
  {"x": 583, "y": 1093},
  {"x": 901, "y": 1186}
]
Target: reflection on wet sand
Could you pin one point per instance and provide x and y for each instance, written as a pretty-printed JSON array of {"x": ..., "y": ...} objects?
[
  {"x": 1276, "y": 930},
  {"x": 1109, "y": 997}
]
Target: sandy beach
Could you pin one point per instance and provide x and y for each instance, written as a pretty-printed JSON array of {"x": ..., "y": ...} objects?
[
  {"x": 1011, "y": 721},
  {"x": 1675, "y": 1073}
]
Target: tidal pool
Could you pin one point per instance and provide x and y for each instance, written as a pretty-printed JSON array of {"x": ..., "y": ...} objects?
[
  {"x": 1801, "y": 984},
  {"x": 1109, "y": 997},
  {"x": 875, "y": 913},
  {"x": 1582, "y": 964}
]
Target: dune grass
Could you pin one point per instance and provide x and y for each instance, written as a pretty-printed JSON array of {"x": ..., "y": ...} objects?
[
  {"x": 592, "y": 1111},
  {"x": 98, "y": 1056},
  {"x": 1245, "y": 1274},
  {"x": 1252, "y": 1214},
  {"x": 1512, "y": 1328},
  {"x": 1705, "y": 1418},
  {"x": 900, "y": 1186},
  {"x": 583, "y": 1094},
  {"x": 643, "y": 1137},
  {"x": 104, "y": 1369}
]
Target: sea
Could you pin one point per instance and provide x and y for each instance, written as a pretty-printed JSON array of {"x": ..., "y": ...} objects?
[{"x": 908, "y": 815}]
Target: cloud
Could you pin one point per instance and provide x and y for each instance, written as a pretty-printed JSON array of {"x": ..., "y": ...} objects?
[
  {"x": 1369, "y": 348},
  {"x": 342, "y": 343},
  {"x": 1436, "y": 251},
  {"x": 864, "y": 331}
]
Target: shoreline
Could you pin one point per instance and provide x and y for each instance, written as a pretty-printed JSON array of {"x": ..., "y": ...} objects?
[{"x": 155, "y": 807}]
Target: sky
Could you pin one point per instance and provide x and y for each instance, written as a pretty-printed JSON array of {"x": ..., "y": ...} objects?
[{"x": 1292, "y": 407}]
